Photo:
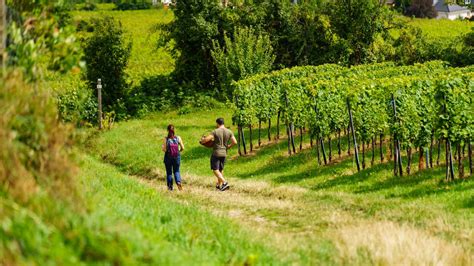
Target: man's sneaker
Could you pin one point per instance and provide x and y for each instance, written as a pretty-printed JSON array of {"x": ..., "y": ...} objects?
[
  {"x": 224, "y": 186},
  {"x": 179, "y": 186}
]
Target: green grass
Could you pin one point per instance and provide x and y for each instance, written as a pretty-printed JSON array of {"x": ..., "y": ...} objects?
[
  {"x": 166, "y": 231},
  {"x": 146, "y": 59},
  {"x": 442, "y": 29},
  {"x": 308, "y": 206}
]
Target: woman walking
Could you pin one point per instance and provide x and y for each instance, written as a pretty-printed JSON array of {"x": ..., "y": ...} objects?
[{"x": 172, "y": 146}]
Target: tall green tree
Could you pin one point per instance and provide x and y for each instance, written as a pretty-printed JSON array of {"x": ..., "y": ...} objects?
[
  {"x": 106, "y": 55},
  {"x": 247, "y": 54},
  {"x": 359, "y": 23}
]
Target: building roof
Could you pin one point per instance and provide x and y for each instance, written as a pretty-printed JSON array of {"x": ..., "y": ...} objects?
[{"x": 440, "y": 6}]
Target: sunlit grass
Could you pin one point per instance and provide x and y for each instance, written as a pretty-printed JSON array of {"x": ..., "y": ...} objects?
[{"x": 313, "y": 200}]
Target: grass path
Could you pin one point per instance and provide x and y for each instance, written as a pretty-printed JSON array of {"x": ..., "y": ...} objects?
[{"x": 309, "y": 214}]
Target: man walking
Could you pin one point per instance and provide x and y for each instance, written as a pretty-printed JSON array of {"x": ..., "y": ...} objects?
[{"x": 221, "y": 137}]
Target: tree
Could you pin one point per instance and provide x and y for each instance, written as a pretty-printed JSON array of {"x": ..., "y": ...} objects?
[
  {"x": 359, "y": 23},
  {"x": 422, "y": 9},
  {"x": 106, "y": 53},
  {"x": 247, "y": 54},
  {"x": 194, "y": 28}
]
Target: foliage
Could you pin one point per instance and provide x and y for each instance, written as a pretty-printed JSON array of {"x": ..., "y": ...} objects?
[
  {"x": 156, "y": 93},
  {"x": 132, "y": 6},
  {"x": 467, "y": 53},
  {"x": 106, "y": 53},
  {"x": 317, "y": 99},
  {"x": 421, "y": 9},
  {"x": 359, "y": 23},
  {"x": 245, "y": 55},
  {"x": 77, "y": 105},
  {"x": 41, "y": 42},
  {"x": 35, "y": 144}
]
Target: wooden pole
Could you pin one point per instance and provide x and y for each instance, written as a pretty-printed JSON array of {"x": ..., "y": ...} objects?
[
  {"x": 239, "y": 139},
  {"x": 397, "y": 142},
  {"x": 99, "y": 96},
  {"x": 351, "y": 120}
]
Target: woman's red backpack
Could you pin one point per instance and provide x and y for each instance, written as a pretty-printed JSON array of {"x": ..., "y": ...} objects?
[{"x": 173, "y": 147}]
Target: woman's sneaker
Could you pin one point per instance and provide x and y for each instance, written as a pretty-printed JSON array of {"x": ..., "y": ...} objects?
[{"x": 224, "y": 186}]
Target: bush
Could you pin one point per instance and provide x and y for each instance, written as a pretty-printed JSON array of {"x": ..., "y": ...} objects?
[
  {"x": 422, "y": 9},
  {"x": 132, "y": 6},
  {"x": 34, "y": 144},
  {"x": 106, "y": 55},
  {"x": 156, "y": 93},
  {"x": 89, "y": 6},
  {"x": 77, "y": 105},
  {"x": 247, "y": 54}
]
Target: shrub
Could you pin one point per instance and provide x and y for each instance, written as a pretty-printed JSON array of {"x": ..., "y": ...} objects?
[
  {"x": 132, "y": 6},
  {"x": 422, "y": 9},
  {"x": 106, "y": 55},
  {"x": 77, "y": 105},
  {"x": 156, "y": 93},
  {"x": 89, "y": 6},
  {"x": 34, "y": 144},
  {"x": 247, "y": 54}
]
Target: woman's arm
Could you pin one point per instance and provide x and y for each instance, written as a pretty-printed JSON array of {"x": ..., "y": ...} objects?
[
  {"x": 163, "y": 146},
  {"x": 181, "y": 144}
]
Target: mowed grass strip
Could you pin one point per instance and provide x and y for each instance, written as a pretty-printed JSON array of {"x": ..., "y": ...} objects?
[
  {"x": 294, "y": 201},
  {"x": 165, "y": 231}
]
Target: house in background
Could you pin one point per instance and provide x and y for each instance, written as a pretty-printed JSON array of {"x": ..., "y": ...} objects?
[{"x": 451, "y": 11}]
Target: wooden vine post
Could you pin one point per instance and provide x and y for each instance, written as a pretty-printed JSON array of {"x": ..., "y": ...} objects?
[
  {"x": 99, "y": 99},
  {"x": 397, "y": 154},
  {"x": 351, "y": 121}
]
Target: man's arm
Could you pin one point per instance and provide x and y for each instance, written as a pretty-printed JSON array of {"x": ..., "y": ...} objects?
[
  {"x": 233, "y": 141},
  {"x": 206, "y": 139}
]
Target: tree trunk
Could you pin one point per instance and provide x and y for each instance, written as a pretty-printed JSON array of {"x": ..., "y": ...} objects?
[
  {"x": 289, "y": 137},
  {"x": 400, "y": 163},
  {"x": 301, "y": 138},
  {"x": 447, "y": 161},
  {"x": 363, "y": 155},
  {"x": 451, "y": 164},
  {"x": 390, "y": 146},
  {"x": 278, "y": 125},
  {"x": 269, "y": 129},
  {"x": 395, "y": 156},
  {"x": 439, "y": 152},
  {"x": 460, "y": 161},
  {"x": 317, "y": 153},
  {"x": 431, "y": 152},
  {"x": 330, "y": 148},
  {"x": 373, "y": 152},
  {"x": 250, "y": 140},
  {"x": 351, "y": 121},
  {"x": 292, "y": 130},
  {"x": 421, "y": 160},
  {"x": 381, "y": 148},
  {"x": 243, "y": 140},
  {"x": 408, "y": 160},
  {"x": 323, "y": 151},
  {"x": 469, "y": 153},
  {"x": 339, "y": 143},
  {"x": 348, "y": 141},
  {"x": 259, "y": 132},
  {"x": 239, "y": 139}
]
